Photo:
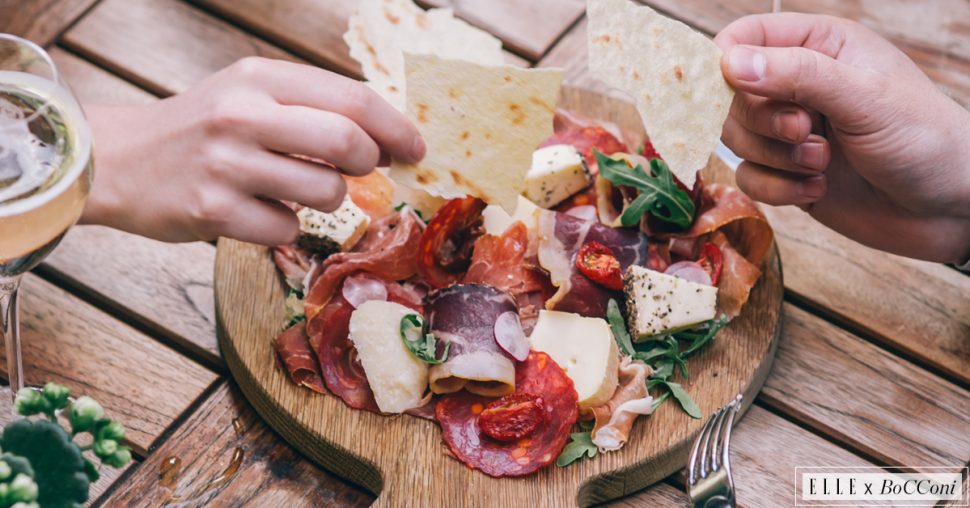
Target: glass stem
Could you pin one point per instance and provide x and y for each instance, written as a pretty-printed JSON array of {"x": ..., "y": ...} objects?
[{"x": 10, "y": 326}]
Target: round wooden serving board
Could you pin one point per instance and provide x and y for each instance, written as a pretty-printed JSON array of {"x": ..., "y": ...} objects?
[{"x": 403, "y": 460}]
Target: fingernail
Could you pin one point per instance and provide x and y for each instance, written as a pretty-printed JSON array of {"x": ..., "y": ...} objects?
[
  {"x": 746, "y": 63},
  {"x": 813, "y": 187},
  {"x": 418, "y": 149},
  {"x": 784, "y": 124},
  {"x": 809, "y": 155}
]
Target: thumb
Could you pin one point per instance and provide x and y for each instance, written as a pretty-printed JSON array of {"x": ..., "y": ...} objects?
[{"x": 799, "y": 75}]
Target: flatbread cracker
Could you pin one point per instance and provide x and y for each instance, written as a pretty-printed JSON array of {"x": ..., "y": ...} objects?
[
  {"x": 480, "y": 125},
  {"x": 382, "y": 30},
  {"x": 672, "y": 72}
]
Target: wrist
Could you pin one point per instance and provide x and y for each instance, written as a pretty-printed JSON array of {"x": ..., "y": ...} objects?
[{"x": 103, "y": 204}]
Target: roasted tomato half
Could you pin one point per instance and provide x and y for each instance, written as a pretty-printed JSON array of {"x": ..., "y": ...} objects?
[
  {"x": 712, "y": 260},
  {"x": 445, "y": 250},
  {"x": 512, "y": 417},
  {"x": 598, "y": 262}
]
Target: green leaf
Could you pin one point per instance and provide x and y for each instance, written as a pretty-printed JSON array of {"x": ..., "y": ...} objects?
[
  {"x": 659, "y": 401},
  {"x": 659, "y": 194},
  {"x": 685, "y": 400},
  {"x": 580, "y": 445},
  {"x": 59, "y": 467},
  {"x": 618, "y": 326},
  {"x": 697, "y": 342},
  {"x": 420, "y": 343},
  {"x": 663, "y": 369}
]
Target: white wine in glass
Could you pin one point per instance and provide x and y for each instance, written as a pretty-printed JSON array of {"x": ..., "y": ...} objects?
[{"x": 45, "y": 174}]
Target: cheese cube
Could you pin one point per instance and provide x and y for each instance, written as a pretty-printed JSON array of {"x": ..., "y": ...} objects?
[
  {"x": 398, "y": 379},
  {"x": 557, "y": 172},
  {"x": 584, "y": 348},
  {"x": 496, "y": 220},
  {"x": 658, "y": 303},
  {"x": 329, "y": 232}
]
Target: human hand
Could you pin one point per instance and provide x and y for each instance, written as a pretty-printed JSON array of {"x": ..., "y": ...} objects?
[
  {"x": 833, "y": 118},
  {"x": 217, "y": 159}
]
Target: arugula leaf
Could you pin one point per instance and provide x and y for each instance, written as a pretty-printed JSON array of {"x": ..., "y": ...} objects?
[
  {"x": 659, "y": 401},
  {"x": 294, "y": 308},
  {"x": 685, "y": 400},
  {"x": 424, "y": 347},
  {"x": 697, "y": 342},
  {"x": 618, "y": 326},
  {"x": 659, "y": 194},
  {"x": 581, "y": 445}
]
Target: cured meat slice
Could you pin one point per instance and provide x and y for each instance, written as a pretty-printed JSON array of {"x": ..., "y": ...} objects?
[
  {"x": 560, "y": 238},
  {"x": 373, "y": 193},
  {"x": 539, "y": 376},
  {"x": 329, "y": 332},
  {"x": 388, "y": 250},
  {"x": 738, "y": 276},
  {"x": 294, "y": 263},
  {"x": 465, "y": 316},
  {"x": 445, "y": 249},
  {"x": 585, "y": 135},
  {"x": 293, "y": 348},
  {"x": 509, "y": 263},
  {"x": 615, "y": 418}
]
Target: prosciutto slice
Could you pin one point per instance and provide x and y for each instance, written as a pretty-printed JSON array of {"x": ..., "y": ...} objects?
[
  {"x": 560, "y": 238},
  {"x": 294, "y": 263},
  {"x": 615, "y": 418},
  {"x": 509, "y": 262},
  {"x": 388, "y": 250},
  {"x": 293, "y": 348},
  {"x": 329, "y": 337},
  {"x": 585, "y": 134},
  {"x": 465, "y": 315}
]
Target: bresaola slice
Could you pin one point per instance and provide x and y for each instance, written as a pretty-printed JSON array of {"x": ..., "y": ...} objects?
[
  {"x": 293, "y": 348},
  {"x": 465, "y": 315},
  {"x": 560, "y": 238},
  {"x": 537, "y": 376}
]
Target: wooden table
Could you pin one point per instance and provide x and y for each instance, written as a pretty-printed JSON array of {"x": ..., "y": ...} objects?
[{"x": 873, "y": 367}]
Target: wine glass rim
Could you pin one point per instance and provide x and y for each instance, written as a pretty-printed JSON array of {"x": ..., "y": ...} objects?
[{"x": 48, "y": 61}]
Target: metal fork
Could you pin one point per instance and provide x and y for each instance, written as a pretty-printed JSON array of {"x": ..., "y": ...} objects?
[{"x": 709, "y": 481}]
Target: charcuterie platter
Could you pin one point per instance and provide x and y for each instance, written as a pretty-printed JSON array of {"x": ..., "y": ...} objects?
[{"x": 403, "y": 459}]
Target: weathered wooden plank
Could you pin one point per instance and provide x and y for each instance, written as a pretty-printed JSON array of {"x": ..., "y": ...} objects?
[
  {"x": 865, "y": 397},
  {"x": 40, "y": 20},
  {"x": 911, "y": 306},
  {"x": 93, "y": 85},
  {"x": 227, "y": 456},
  {"x": 934, "y": 34},
  {"x": 139, "y": 381},
  {"x": 528, "y": 28},
  {"x": 164, "y": 287},
  {"x": 164, "y": 46},
  {"x": 312, "y": 29}
]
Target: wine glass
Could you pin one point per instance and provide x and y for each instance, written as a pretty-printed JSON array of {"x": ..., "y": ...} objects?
[{"x": 45, "y": 174}]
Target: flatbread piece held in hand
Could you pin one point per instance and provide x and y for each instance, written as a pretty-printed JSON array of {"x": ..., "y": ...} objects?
[
  {"x": 381, "y": 32},
  {"x": 480, "y": 125},
  {"x": 673, "y": 73}
]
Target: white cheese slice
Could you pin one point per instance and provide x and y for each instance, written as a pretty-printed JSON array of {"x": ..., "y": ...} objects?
[
  {"x": 657, "y": 302},
  {"x": 584, "y": 348},
  {"x": 496, "y": 220},
  {"x": 398, "y": 379},
  {"x": 557, "y": 172},
  {"x": 334, "y": 231}
]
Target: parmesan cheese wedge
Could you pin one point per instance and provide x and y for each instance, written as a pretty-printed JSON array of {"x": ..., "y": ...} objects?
[
  {"x": 398, "y": 379},
  {"x": 584, "y": 348}
]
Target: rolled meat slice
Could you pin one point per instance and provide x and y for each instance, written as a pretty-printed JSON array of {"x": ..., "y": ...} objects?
[{"x": 465, "y": 315}]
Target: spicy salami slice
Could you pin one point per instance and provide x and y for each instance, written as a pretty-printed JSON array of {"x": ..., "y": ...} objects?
[
  {"x": 329, "y": 332},
  {"x": 539, "y": 376}
]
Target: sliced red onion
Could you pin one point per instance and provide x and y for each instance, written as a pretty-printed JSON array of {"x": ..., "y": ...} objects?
[
  {"x": 585, "y": 212},
  {"x": 362, "y": 288},
  {"x": 689, "y": 270},
  {"x": 510, "y": 337}
]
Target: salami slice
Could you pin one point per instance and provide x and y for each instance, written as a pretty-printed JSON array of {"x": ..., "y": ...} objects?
[
  {"x": 329, "y": 337},
  {"x": 538, "y": 376}
]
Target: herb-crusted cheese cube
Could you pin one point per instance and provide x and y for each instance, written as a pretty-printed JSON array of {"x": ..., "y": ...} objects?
[
  {"x": 584, "y": 348},
  {"x": 397, "y": 378},
  {"x": 658, "y": 303},
  {"x": 329, "y": 232},
  {"x": 557, "y": 172}
]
